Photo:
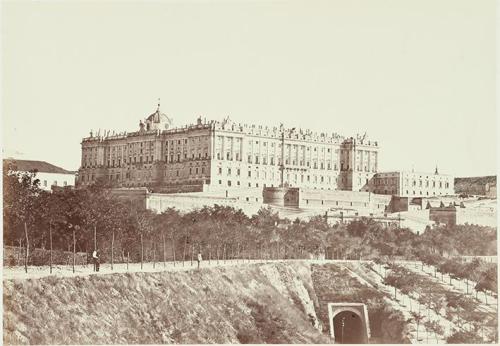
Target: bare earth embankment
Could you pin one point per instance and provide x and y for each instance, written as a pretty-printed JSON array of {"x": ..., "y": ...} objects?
[{"x": 247, "y": 303}]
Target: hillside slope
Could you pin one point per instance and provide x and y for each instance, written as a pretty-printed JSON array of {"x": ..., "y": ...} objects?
[
  {"x": 223, "y": 305},
  {"x": 474, "y": 185},
  {"x": 260, "y": 303}
]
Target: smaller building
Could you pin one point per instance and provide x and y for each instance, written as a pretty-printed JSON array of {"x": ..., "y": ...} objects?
[
  {"x": 411, "y": 184},
  {"x": 444, "y": 215},
  {"x": 50, "y": 176}
]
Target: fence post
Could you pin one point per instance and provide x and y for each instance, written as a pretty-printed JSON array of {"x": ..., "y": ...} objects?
[
  {"x": 173, "y": 248},
  {"x": 154, "y": 255},
  {"x": 164, "y": 252},
  {"x": 128, "y": 255},
  {"x": 50, "y": 236},
  {"x": 27, "y": 248},
  {"x": 192, "y": 249},
  {"x": 112, "y": 248},
  {"x": 74, "y": 249}
]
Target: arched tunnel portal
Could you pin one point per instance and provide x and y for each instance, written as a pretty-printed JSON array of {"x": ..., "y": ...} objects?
[{"x": 349, "y": 323}]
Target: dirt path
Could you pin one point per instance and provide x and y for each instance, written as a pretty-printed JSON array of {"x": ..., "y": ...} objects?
[{"x": 17, "y": 272}]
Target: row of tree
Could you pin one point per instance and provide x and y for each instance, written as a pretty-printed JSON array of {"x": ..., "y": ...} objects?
[
  {"x": 461, "y": 309},
  {"x": 81, "y": 220}
]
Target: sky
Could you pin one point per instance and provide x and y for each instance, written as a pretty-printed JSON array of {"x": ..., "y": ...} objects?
[{"x": 417, "y": 75}]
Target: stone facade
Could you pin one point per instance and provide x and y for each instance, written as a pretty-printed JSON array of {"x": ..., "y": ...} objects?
[
  {"x": 356, "y": 310},
  {"x": 323, "y": 199},
  {"x": 411, "y": 184},
  {"x": 228, "y": 155}
]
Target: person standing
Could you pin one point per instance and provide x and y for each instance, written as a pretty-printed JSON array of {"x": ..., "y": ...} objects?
[
  {"x": 95, "y": 259},
  {"x": 98, "y": 260},
  {"x": 199, "y": 259}
]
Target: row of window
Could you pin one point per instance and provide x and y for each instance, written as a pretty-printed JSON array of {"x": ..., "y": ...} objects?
[
  {"x": 220, "y": 142},
  {"x": 145, "y": 159},
  {"x": 394, "y": 181},
  {"x": 295, "y": 177}
]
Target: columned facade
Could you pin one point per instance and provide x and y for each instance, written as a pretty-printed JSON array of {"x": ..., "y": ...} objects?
[{"x": 227, "y": 155}]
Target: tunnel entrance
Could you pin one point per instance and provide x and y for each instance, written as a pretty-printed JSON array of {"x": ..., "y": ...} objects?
[
  {"x": 348, "y": 328},
  {"x": 349, "y": 323}
]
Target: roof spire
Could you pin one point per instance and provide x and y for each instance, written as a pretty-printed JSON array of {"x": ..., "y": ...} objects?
[
  {"x": 158, "y": 109},
  {"x": 436, "y": 171}
]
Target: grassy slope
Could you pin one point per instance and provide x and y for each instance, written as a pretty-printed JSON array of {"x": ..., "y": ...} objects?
[{"x": 251, "y": 304}]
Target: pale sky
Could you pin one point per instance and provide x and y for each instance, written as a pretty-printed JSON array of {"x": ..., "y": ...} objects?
[{"x": 417, "y": 75}]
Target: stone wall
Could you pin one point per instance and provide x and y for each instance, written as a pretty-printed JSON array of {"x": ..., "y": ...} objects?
[
  {"x": 283, "y": 197},
  {"x": 309, "y": 198},
  {"x": 136, "y": 197},
  {"x": 188, "y": 202},
  {"x": 398, "y": 204},
  {"x": 446, "y": 215},
  {"x": 341, "y": 199}
]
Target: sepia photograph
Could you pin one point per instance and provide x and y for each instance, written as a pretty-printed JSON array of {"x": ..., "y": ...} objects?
[{"x": 249, "y": 172}]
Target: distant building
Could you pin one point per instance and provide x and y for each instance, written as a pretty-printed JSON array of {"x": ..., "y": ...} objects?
[
  {"x": 49, "y": 175},
  {"x": 411, "y": 184},
  {"x": 226, "y": 155}
]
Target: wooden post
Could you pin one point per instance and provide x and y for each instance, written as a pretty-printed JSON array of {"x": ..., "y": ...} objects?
[
  {"x": 112, "y": 248},
  {"x": 217, "y": 253},
  {"x": 224, "y": 253},
  {"x": 173, "y": 248},
  {"x": 128, "y": 256},
  {"x": 19, "y": 252},
  {"x": 142, "y": 251},
  {"x": 95, "y": 238},
  {"x": 164, "y": 251},
  {"x": 192, "y": 249},
  {"x": 184, "y": 251},
  {"x": 74, "y": 249},
  {"x": 27, "y": 248},
  {"x": 50, "y": 236},
  {"x": 154, "y": 255},
  {"x": 209, "y": 253}
]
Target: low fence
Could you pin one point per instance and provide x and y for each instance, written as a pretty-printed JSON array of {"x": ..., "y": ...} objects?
[{"x": 14, "y": 256}]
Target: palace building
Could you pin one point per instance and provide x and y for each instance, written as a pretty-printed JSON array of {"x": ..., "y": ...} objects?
[{"x": 226, "y": 154}]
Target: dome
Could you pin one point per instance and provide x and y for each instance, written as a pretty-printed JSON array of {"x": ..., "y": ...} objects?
[
  {"x": 158, "y": 117},
  {"x": 158, "y": 120}
]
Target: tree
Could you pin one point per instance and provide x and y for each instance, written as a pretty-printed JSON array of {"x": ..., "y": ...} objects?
[
  {"x": 417, "y": 317},
  {"x": 20, "y": 196},
  {"x": 144, "y": 227},
  {"x": 464, "y": 337},
  {"x": 488, "y": 282}
]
